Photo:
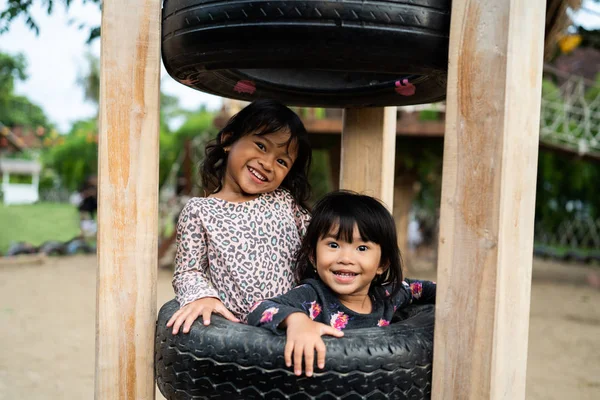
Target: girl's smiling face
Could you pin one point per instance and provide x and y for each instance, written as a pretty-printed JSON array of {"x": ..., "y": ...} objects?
[
  {"x": 348, "y": 268},
  {"x": 258, "y": 164}
]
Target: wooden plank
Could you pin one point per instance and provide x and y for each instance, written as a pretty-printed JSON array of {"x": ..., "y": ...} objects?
[
  {"x": 128, "y": 199},
  {"x": 334, "y": 127},
  {"x": 368, "y": 152},
  {"x": 488, "y": 194}
]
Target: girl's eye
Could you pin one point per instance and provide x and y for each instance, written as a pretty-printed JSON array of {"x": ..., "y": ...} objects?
[
  {"x": 333, "y": 245},
  {"x": 282, "y": 162},
  {"x": 362, "y": 248},
  {"x": 260, "y": 146}
]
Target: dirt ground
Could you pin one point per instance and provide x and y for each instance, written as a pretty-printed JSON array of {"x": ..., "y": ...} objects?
[{"x": 47, "y": 330}]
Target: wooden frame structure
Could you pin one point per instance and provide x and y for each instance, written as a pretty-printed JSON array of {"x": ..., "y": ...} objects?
[{"x": 488, "y": 192}]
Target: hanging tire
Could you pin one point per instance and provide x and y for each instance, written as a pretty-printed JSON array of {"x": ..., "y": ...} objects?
[
  {"x": 234, "y": 361},
  {"x": 339, "y": 53}
]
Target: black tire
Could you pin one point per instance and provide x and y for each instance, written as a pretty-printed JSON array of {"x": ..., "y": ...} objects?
[
  {"x": 21, "y": 248},
  {"x": 77, "y": 246},
  {"x": 52, "y": 248},
  {"x": 334, "y": 53},
  {"x": 233, "y": 361}
]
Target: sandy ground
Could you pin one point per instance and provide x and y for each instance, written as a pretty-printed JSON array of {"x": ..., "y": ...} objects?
[{"x": 47, "y": 330}]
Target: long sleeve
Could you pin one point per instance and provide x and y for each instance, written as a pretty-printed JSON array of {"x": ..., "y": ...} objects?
[
  {"x": 191, "y": 280},
  {"x": 269, "y": 314},
  {"x": 421, "y": 292},
  {"x": 302, "y": 218}
]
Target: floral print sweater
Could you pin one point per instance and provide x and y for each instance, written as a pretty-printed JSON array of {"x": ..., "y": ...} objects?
[
  {"x": 321, "y": 304},
  {"x": 239, "y": 253}
]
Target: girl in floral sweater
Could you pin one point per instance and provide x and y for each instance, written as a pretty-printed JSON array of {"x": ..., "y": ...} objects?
[{"x": 351, "y": 277}]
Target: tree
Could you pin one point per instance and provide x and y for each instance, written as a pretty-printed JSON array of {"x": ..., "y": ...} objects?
[
  {"x": 22, "y": 8},
  {"x": 15, "y": 109}
]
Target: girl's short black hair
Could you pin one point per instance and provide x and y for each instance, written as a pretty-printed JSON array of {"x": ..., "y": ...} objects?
[
  {"x": 261, "y": 117},
  {"x": 345, "y": 209}
]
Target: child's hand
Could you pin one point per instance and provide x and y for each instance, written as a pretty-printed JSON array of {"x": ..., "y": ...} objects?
[
  {"x": 303, "y": 338},
  {"x": 187, "y": 314}
]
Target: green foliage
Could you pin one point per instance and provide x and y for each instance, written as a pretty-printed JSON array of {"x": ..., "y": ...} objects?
[
  {"x": 77, "y": 156},
  {"x": 429, "y": 115},
  {"x": 14, "y": 109},
  {"x": 22, "y": 8},
  {"x": 566, "y": 189},
  {"x": 319, "y": 176}
]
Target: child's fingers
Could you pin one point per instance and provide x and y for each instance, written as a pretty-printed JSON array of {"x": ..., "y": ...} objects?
[
  {"x": 287, "y": 353},
  {"x": 187, "y": 325},
  {"x": 309, "y": 359},
  {"x": 178, "y": 322},
  {"x": 321, "y": 350},
  {"x": 206, "y": 316},
  {"x": 298, "y": 353},
  {"x": 331, "y": 331},
  {"x": 226, "y": 313},
  {"x": 173, "y": 318}
]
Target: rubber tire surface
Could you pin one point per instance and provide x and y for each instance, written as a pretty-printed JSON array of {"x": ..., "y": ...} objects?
[
  {"x": 52, "y": 248},
  {"x": 234, "y": 361},
  {"x": 338, "y": 53}
]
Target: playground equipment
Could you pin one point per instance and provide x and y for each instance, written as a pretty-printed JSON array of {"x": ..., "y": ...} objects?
[
  {"x": 227, "y": 360},
  {"x": 491, "y": 141}
]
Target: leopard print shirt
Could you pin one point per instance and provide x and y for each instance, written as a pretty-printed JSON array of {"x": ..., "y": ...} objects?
[{"x": 239, "y": 253}]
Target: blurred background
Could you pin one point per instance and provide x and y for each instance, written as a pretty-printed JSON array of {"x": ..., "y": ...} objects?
[{"x": 49, "y": 87}]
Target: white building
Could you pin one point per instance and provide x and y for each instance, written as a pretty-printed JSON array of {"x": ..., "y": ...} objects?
[{"x": 20, "y": 193}]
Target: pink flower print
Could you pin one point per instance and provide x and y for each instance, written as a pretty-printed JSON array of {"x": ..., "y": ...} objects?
[
  {"x": 417, "y": 289},
  {"x": 383, "y": 322},
  {"x": 387, "y": 294},
  {"x": 405, "y": 88},
  {"x": 267, "y": 315},
  {"x": 245, "y": 86},
  {"x": 339, "y": 320},
  {"x": 315, "y": 310},
  {"x": 254, "y": 306}
]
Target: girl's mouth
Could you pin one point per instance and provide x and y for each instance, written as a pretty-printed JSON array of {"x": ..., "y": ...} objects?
[
  {"x": 344, "y": 276},
  {"x": 260, "y": 177}
]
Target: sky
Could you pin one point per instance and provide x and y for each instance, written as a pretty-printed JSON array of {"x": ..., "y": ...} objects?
[{"x": 56, "y": 58}]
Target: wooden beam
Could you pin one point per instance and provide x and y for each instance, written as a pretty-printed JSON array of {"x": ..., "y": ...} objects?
[
  {"x": 128, "y": 199},
  {"x": 368, "y": 152},
  {"x": 488, "y": 194},
  {"x": 334, "y": 127}
]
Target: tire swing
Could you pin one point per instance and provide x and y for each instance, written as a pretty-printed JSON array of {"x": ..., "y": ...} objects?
[
  {"x": 310, "y": 53},
  {"x": 304, "y": 53},
  {"x": 230, "y": 361}
]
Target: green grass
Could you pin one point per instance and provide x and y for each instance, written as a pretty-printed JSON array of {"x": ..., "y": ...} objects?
[{"x": 37, "y": 223}]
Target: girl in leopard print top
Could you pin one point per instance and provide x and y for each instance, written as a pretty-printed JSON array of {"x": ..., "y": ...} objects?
[{"x": 238, "y": 245}]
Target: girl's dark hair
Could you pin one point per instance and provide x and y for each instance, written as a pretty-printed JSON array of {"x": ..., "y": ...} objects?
[
  {"x": 345, "y": 209},
  {"x": 260, "y": 118}
]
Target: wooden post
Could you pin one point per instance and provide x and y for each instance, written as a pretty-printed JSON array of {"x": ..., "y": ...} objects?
[
  {"x": 368, "y": 151},
  {"x": 128, "y": 199},
  {"x": 488, "y": 194}
]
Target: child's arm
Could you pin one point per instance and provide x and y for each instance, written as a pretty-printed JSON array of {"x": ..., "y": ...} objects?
[
  {"x": 421, "y": 292},
  {"x": 303, "y": 339},
  {"x": 290, "y": 312},
  {"x": 191, "y": 282}
]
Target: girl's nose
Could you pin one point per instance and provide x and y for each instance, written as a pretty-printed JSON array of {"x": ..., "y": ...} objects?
[
  {"x": 267, "y": 163},
  {"x": 344, "y": 257}
]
